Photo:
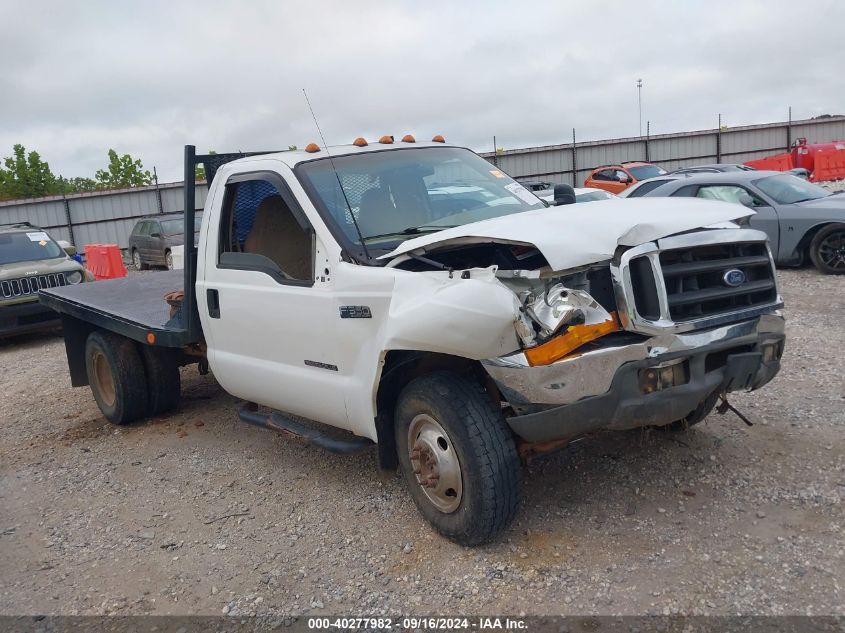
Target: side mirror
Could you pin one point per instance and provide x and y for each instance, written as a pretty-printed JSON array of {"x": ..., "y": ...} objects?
[
  {"x": 564, "y": 194},
  {"x": 68, "y": 248},
  {"x": 746, "y": 200}
]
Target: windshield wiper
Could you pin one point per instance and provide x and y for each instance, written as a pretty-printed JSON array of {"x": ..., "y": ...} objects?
[{"x": 412, "y": 230}]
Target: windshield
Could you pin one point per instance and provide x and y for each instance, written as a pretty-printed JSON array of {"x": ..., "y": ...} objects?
[
  {"x": 641, "y": 172},
  {"x": 397, "y": 194},
  {"x": 788, "y": 189},
  {"x": 27, "y": 246}
]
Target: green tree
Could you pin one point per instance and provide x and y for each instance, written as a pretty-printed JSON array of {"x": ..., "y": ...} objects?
[
  {"x": 77, "y": 184},
  {"x": 199, "y": 173},
  {"x": 25, "y": 175},
  {"x": 123, "y": 172}
]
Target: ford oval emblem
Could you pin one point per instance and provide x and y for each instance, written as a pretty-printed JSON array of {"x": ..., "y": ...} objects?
[{"x": 733, "y": 277}]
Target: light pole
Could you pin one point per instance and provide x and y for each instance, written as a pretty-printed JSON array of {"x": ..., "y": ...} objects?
[{"x": 640, "y": 102}]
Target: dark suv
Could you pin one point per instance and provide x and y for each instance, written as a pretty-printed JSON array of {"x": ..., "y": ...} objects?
[{"x": 152, "y": 239}]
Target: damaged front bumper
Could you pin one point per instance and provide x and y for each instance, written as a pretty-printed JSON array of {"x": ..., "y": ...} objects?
[{"x": 653, "y": 382}]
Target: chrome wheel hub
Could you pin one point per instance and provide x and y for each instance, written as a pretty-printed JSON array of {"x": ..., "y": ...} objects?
[{"x": 435, "y": 463}]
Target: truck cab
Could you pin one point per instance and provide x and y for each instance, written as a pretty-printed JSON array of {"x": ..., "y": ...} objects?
[{"x": 413, "y": 296}]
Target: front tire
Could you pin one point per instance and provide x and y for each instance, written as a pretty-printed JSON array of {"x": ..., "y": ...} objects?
[
  {"x": 136, "y": 260},
  {"x": 827, "y": 250},
  {"x": 458, "y": 457},
  {"x": 116, "y": 375}
]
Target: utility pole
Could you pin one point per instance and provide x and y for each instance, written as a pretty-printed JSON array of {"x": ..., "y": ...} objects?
[{"x": 640, "y": 102}]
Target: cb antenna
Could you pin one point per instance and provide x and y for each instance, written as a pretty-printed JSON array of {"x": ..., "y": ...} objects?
[{"x": 336, "y": 175}]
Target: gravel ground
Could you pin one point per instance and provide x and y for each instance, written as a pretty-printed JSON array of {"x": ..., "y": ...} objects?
[{"x": 197, "y": 513}]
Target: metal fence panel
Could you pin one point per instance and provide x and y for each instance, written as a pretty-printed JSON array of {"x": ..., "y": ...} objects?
[{"x": 670, "y": 151}]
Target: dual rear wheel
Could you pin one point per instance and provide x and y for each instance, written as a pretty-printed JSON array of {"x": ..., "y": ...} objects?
[{"x": 130, "y": 382}]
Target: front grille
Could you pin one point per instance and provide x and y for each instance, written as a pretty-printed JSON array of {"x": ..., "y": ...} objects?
[
  {"x": 695, "y": 279},
  {"x": 23, "y": 286}
]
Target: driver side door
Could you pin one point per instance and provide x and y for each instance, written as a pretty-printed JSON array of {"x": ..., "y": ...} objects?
[{"x": 270, "y": 319}]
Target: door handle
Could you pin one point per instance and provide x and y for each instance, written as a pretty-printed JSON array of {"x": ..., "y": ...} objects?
[{"x": 213, "y": 300}]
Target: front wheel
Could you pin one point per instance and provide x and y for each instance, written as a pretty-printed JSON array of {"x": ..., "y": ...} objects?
[
  {"x": 458, "y": 457},
  {"x": 827, "y": 250},
  {"x": 136, "y": 260}
]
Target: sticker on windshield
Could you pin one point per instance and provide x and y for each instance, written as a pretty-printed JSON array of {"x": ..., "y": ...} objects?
[
  {"x": 522, "y": 193},
  {"x": 40, "y": 236},
  {"x": 497, "y": 173}
]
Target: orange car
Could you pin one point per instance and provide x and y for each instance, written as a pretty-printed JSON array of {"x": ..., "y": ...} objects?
[{"x": 617, "y": 178}]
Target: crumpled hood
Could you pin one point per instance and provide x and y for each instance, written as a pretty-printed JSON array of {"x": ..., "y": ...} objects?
[{"x": 575, "y": 235}]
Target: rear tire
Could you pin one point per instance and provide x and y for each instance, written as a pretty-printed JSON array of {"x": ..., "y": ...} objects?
[
  {"x": 468, "y": 475},
  {"x": 164, "y": 385},
  {"x": 704, "y": 408},
  {"x": 168, "y": 260},
  {"x": 827, "y": 250},
  {"x": 116, "y": 375}
]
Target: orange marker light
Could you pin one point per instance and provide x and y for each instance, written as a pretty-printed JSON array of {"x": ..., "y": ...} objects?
[
  {"x": 360, "y": 142},
  {"x": 566, "y": 343},
  {"x": 387, "y": 139},
  {"x": 312, "y": 147},
  {"x": 151, "y": 338},
  {"x": 408, "y": 139},
  {"x": 438, "y": 139}
]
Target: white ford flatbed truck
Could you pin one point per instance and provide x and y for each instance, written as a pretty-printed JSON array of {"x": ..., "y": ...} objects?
[{"x": 412, "y": 296}]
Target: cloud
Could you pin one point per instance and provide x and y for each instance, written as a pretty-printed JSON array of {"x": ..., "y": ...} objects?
[{"x": 146, "y": 78}]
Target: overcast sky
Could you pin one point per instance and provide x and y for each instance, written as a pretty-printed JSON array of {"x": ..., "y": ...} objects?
[{"x": 78, "y": 78}]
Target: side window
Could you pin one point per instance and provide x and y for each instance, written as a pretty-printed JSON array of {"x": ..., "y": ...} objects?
[
  {"x": 646, "y": 187},
  {"x": 621, "y": 175},
  {"x": 727, "y": 193},
  {"x": 686, "y": 192},
  {"x": 154, "y": 227},
  {"x": 260, "y": 231},
  {"x": 144, "y": 228},
  {"x": 604, "y": 174}
]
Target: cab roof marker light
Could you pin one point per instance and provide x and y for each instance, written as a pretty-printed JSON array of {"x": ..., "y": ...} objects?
[
  {"x": 408, "y": 139},
  {"x": 387, "y": 139},
  {"x": 311, "y": 148},
  {"x": 360, "y": 142},
  {"x": 438, "y": 139}
]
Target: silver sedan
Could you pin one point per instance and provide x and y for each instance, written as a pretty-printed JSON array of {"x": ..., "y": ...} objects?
[{"x": 801, "y": 219}]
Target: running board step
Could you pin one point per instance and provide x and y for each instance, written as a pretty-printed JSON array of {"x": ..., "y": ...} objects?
[{"x": 283, "y": 424}]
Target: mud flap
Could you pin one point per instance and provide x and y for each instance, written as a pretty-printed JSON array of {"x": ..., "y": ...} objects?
[{"x": 740, "y": 371}]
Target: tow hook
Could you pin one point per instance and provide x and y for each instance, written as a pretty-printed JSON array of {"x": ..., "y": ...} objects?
[{"x": 725, "y": 406}]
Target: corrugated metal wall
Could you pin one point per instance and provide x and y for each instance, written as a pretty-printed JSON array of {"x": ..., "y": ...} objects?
[
  {"x": 108, "y": 216},
  {"x": 554, "y": 163},
  {"x": 102, "y": 217}
]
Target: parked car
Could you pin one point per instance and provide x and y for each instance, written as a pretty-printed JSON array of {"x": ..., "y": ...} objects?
[
  {"x": 801, "y": 219},
  {"x": 582, "y": 194},
  {"x": 152, "y": 240},
  {"x": 617, "y": 178},
  {"x": 30, "y": 260},
  {"x": 714, "y": 168}
]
